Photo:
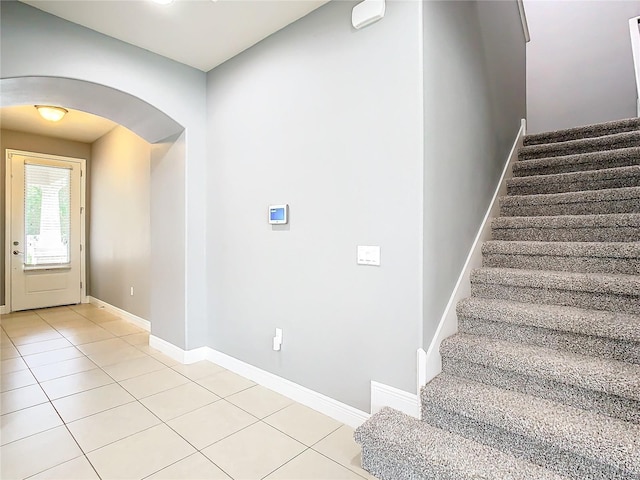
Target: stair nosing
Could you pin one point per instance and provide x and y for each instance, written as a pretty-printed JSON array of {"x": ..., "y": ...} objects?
[
  {"x": 571, "y": 198},
  {"x": 551, "y": 277},
  {"x": 562, "y": 249}
]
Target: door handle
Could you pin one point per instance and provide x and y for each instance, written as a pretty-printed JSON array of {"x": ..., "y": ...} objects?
[{"x": 16, "y": 252}]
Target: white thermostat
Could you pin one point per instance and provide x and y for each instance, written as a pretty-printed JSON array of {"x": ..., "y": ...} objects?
[{"x": 278, "y": 214}]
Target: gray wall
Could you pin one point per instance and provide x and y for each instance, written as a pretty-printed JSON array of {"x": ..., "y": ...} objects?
[
  {"x": 167, "y": 237},
  {"x": 474, "y": 98},
  {"x": 175, "y": 89},
  {"x": 31, "y": 143},
  {"x": 579, "y": 63},
  {"x": 327, "y": 119},
  {"x": 119, "y": 232}
]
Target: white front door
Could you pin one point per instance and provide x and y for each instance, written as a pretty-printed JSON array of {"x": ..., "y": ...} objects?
[{"x": 45, "y": 231}]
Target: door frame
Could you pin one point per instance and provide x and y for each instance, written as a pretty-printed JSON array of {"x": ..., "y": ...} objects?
[{"x": 9, "y": 213}]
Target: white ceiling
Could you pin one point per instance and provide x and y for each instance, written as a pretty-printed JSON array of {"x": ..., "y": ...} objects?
[
  {"x": 77, "y": 126},
  {"x": 199, "y": 33}
]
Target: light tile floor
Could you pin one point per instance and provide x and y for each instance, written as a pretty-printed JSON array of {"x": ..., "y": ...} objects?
[{"x": 84, "y": 396}]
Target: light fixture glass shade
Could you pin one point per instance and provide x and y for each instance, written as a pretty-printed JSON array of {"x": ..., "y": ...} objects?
[{"x": 53, "y": 114}]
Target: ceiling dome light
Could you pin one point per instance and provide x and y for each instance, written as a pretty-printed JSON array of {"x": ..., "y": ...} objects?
[{"x": 53, "y": 114}]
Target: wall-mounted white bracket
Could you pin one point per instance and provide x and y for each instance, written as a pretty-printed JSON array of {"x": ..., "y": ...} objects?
[{"x": 367, "y": 12}]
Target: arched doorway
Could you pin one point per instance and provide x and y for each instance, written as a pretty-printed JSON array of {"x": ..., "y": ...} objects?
[{"x": 166, "y": 137}]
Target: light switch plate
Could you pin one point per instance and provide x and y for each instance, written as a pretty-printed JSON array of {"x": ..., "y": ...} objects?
[{"x": 368, "y": 255}]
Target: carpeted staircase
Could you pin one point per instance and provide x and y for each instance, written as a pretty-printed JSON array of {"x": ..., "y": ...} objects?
[{"x": 543, "y": 379}]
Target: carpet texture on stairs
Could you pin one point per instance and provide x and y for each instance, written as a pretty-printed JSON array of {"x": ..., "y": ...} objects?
[{"x": 542, "y": 379}]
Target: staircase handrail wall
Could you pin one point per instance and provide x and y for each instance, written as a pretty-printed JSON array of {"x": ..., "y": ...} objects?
[
  {"x": 430, "y": 362},
  {"x": 634, "y": 30}
]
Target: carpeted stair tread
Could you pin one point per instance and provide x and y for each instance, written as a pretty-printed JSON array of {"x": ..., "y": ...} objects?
[
  {"x": 591, "y": 202},
  {"x": 607, "y": 376},
  {"x": 586, "y": 257},
  {"x": 627, "y": 250},
  {"x": 587, "y": 131},
  {"x": 621, "y": 157},
  {"x": 528, "y": 424},
  {"x": 588, "y": 180},
  {"x": 585, "y": 145},
  {"x": 574, "y": 330},
  {"x": 399, "y": 447},
  {"x": 586, "y": 282},
  {"x": 599, "y": 291},
  {"x": 614, "y": 227},
  {"x": 597, "y": 323}
]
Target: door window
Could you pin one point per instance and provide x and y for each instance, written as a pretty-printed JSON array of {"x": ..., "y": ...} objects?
[{"x": 47, "y": 192}]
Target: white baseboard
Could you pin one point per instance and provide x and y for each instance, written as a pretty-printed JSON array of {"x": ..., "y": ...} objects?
[
  {"x": 3, "y": 309},
  {"x": 333, "y": 408},
  {"x": 385, "y": 396},
  {"x": 178, "y": 354},
  {"x": 130, "y": 317},
  {"x": 449, "y": 321}
]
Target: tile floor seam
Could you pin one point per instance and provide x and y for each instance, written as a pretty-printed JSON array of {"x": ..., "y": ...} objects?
[
  {"x": 330, "y": 433},
  {"x": 87, "y": 390},
  {"x": 30, "y": 435},
  {"x": 54, "y": 466},
  {"x": 335, "y": 461},
  {"x": 200, "y": 450},
  {"x": 83, "y": 452},
  {"x": 285, "y": 463},
  {"x": 87, "y": 452},
  {"x": 274, "y": 412}
]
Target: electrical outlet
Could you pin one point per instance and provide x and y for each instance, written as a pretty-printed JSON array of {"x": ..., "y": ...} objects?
[{"x": 132, "y": 291}]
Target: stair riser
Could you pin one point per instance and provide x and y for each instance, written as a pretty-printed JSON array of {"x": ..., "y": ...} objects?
[
  {"x": 513, "y": 188},
  {"x": 612, "y": 405},
  {"x": 589, "y": 234},
  {"x": 551, "y": 296},
  {"x": 549, "y": 456},
  {"x": 578, "y": 208},
  {"x": 555, "y": 339},
  {"x": 625, "y": 266},
  {"x": 553, "y": 166},
  {"x": 596, "y": 145}
]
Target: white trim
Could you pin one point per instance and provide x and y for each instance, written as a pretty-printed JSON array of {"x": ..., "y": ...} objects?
[
  {"x": 8, "y": 215},
  {"x": 421, "y": 357},
  {"x": 130, "y": 317},
  {"x": 333, "y": 408},
  {"x": 176, "y": 353},
  {"x": 523, "y": 19},
  {"x": 634, "y": 31},
  {"x": 3, "y": 309},
  {"x": 449, "y": 321},
  {"x": 385, "y": 396}
]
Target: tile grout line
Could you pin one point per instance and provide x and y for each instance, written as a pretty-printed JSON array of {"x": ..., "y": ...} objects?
[
  {"x": 61, "y": 419},
  {"x": 39, "y": 383}
]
